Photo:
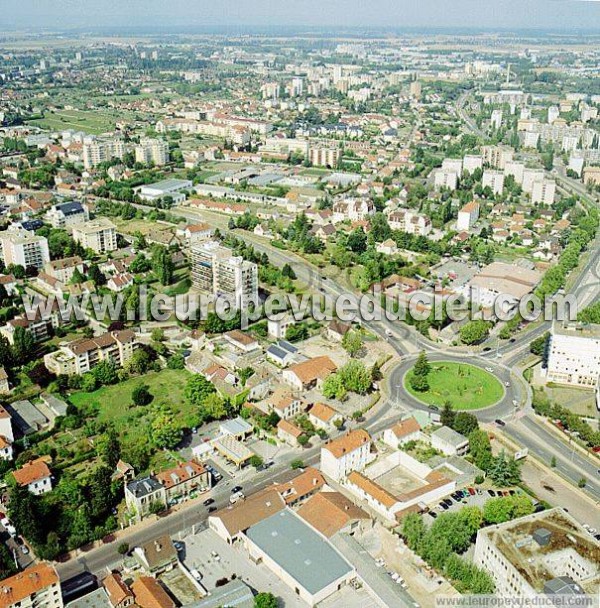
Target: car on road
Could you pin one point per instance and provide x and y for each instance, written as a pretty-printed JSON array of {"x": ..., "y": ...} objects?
[
  {"x": 507, "y": 383},
  {"x": 208, "y": 501},
  {"x": 389, "y": 333},
  {"x": 489, "y": 369},
  {"x": 491, "y": 493},
  {"x": 235, "y": 489},
  {"x": 236, "y": 497},
  {"x": 500, "y": 422},
  {"x": 212, "y": 509}
]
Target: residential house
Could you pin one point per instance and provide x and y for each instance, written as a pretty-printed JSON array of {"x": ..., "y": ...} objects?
[
  {"x": 288, "y": 432},
  {"x": 144, "y": 495},
  {"x": 157, "y": 556},
  {"x": 402, "y": 432},
  {"x": 352, "y": 452},
  {"x": 282, "y": 354},
  {"x": 310, "y": 373},
  {"x": 119, "y": 594},
  {"x": 449, "y": 442},
  {"x": 149, "y": 593},
  {"x": 183, "y": 479},
  {"x": 324, "y": 417},
  {"x": 35, "y": 476}
]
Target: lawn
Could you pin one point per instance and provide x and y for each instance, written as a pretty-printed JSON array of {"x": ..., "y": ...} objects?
[
  {"x": 91, "y": 122},
  {"x": 465, "y": 386},
  {"x": 113, "y": 403}
]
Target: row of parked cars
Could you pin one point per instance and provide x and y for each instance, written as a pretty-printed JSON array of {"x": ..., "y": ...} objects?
[
  {"x": 13, "y": 533},
  {"x": 462, "y": 496}
]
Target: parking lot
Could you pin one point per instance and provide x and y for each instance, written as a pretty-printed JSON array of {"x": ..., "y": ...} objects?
[{"x": 477, "y": 499}]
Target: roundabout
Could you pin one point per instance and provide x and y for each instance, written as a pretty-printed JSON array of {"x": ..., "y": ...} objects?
[
  {"x": 504, "y": 395},
  {"x": 465, "y": 386}
]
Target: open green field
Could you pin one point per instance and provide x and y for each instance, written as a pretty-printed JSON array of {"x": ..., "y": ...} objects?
[
  {"x": 81, "y": 120},
  {"x": 114, "y": 404},
  {"x": 465, "y": 386}
]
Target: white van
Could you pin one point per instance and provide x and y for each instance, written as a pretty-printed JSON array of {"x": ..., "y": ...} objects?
[{"x": 235, "y": 497}]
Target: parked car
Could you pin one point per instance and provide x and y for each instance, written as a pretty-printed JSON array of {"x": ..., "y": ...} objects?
[
  {"x": 491, "y": 493},
  {"x": 236, "y": 489},
  {"x": 212, "y": 509},
  {"x": 500, "y": 422},
  {"x": 208, "y": 501}
]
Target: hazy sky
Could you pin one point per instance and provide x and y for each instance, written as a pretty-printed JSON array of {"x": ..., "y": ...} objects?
[{"x": 571, "y": 14}]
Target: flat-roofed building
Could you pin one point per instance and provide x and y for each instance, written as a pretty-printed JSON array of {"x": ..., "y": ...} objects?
[
  {"x": 23, "y": 248},
  {"x": 168, "y": 187},
  {"x": 67, "y": 214},
  {"x": 99, "y": 235},
  {"x": 525, "y": 556},
  {"x": 155, "y": 151},
  {"x": 298, "y": 555},
  {"x": 215, "y": 269},
  {"x": 574, "y": 355}
]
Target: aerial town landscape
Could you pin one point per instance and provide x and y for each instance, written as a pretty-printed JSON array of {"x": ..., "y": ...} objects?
[{"x": 298, "y": 316}]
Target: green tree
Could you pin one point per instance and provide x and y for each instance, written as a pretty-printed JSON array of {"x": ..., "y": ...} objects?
[
  {"x": 106, "y": 372},
  {"x": 109, "y": 448},
  {"x": 465, "y": 423},
  {"x": 198, "y": 388},
  {"x": 355, "y": 377},
  {"x": 256, "y": 461},
  {"x": 352, "y": 342},
  {"x": 419, "y": 383},
  {"x": 422, "y": 366},
  {"x": 448, "y": 415},
  {"x": 333, "y": 387},
  {"x": 141, "y": 395},
  {"x": 23, "y": 345},
  {"x": 480, "y": 449},
  {"x": 474, "y": 331},
  {"x": 413, "y": 530},
  {"x": 504, "y": 471},
  {"x": 265, "y": 600}
]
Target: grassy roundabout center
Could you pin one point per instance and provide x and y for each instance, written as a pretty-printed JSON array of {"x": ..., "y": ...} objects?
[{"x": 465, "y": 386}]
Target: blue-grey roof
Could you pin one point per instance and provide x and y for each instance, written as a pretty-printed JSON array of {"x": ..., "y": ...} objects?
[
  {"x": 277, "y": 352},
  {"x": 235, "y": 594},
  {"x": 285, "y": 345},
  {"x": 71, "y": 208},
  {"x": 32, "y": 224},
  {"x": 305, "y": 555},
  {"x": 144, "y": 486}
]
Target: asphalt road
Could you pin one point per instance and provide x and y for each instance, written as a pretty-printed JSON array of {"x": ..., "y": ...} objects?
[{"x": 98, "y": 559}]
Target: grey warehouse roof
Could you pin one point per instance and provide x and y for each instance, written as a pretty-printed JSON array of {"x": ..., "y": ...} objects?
[{"x": 305, "y": 555}]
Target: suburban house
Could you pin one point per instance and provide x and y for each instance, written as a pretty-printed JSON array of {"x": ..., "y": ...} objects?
[
  {"x": 157, "y": 556},
  {"x": 35, "y": 476},
  {"x": 323, "y": 416},
  {"x": 142, "y": 494},
  {"x": 310, "y": 373},
  {"x": 183, "y": 479},
  {"x": 402, "y": 432},
  {"x": 288, "y": 432}
]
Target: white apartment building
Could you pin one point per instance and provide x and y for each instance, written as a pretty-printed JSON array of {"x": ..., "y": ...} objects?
[
  {"x": 574, "y": 355},
  {"x": 154, "y": 151},
  {"x": 24, "y": 248},
  {"x": 82, "y": 355},
  {"x": 467, "y": 216},
  {"x": 494, "y": 180},
  {"x": 543, "y": 191},
  {"x": 497, "y": 156},
  {"x": 97, "y": 151},
  {"x": 324, "y": 156},
  {"x": 544, "y": 553},
  {"x": 67, "y": 214},
  {"x": 530, "y": 176},
  {"x": 36, "y": 587},
  {"x": 99, "y": 234},
  {"x": 340, "y": 457},
  {"x": 472, "y": 162},
  {"x": 516, "y": 169},
  {"x": 496, "y": 119},
  {"x": 445, "y": 178},
  {"x": 553, "y": 114},
  {"x": 215, "y": 269},
  {"x": 453, "y": 164},
  {"x": 409, "y": 221}
]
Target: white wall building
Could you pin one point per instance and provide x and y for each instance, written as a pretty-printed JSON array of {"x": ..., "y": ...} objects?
[
  {"x": 352, "y": 452},
  {"x": 574, "y": 355},
  {"x": 99, "y": 234}
]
